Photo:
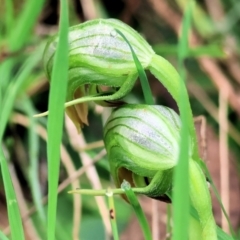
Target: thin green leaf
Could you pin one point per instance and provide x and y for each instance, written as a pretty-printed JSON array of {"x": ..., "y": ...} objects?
[
  {"x": 18, "y": 34},
  {"x": 222, "y": 235},
  {"x": 15, "y": 86},
  {"x": 138, "y": 210},
  {"x": 201, "y": 20},
  {"x": 6, "y": 74},
  {"x": 55, "y": 120},
  {"x": 33, "y": 170},
  {"x": 14, "y": 215},
  {"x": 181, "y": 201},
  {"x": 25, "y": 22},
  {"x": 142, "y": 75},
  {"x": 3, "y": 236},
  {"x": 9, "y": 17},
  {"x": 208, "y": 175}
]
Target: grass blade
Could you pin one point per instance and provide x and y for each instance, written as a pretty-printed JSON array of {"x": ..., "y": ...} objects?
[
  {"x": 14, "y": 88},
  {"x": 142, "y": 75},
  {"x": 14, "y": 215},
  {"x": 33, "y": 169},
  {"x": 138, "y": 210},
  {"x": 3, "y": 237},
  {"x": 181, "y": 201},
  {"x": 222, "y": 235},
  {"x": 25, "y": 22},
  {"x": 203, "y": 165},
  {"x": 9, "y": 18},
  {"x": 55, "y": 120}
]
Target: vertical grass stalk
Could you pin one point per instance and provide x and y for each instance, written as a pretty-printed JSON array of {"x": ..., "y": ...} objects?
[
  {"x": 181, "y": 201},
  {"x": 55, "y": 121}
]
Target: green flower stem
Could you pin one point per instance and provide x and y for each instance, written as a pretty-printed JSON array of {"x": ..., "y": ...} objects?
[
  {"x": 112, "y": 214},
  {"x": 104, "y": 192},
  {"x": 169, "y": 77},
  {"x": 124, "y": 89},
  {"x": 132, "y": 198},
  {"x": 101, "y": 192},
  {"x": 201, "y": 201}
]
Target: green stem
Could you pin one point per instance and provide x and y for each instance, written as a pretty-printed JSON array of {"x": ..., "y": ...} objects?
[
  {"x": 101, "y": 192},
  {"x": 195, "y": 230},
  {"x": 201, "y": 201},
  {"x": 169, "y": 77},
  {"x": 112, "y": 213},
  {"x": 123, "y": 91}
]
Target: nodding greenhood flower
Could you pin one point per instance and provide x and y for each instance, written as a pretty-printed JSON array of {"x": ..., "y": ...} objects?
[
  {"x": 98, "y": 55},
  {"x": 142, "y": 143}
]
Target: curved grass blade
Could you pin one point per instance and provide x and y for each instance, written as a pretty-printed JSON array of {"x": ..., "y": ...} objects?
[{"x": 142, "y": 75}]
